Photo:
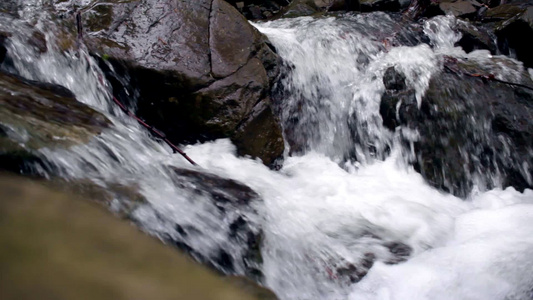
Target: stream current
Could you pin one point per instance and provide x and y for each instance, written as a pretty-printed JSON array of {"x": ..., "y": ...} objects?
[{"x": 322, "y": 215}]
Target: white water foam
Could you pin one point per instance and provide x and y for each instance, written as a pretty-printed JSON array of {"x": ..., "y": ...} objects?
[{"x": 319, "y": 216}]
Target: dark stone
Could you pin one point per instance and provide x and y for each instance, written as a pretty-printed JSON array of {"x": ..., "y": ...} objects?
[
  {"x": 234, "y": 202},
  {"x": 492, "y": 3},
  {"x": 382, "y": 5},
  {"x": 260, "y": 136},
  {"x": 392, "y": 115},
  {"x": 400, "y": 252},
  {"x": 10, "y": 7},
  {"x": 173, "y": 41},
  {"x": 336, "y": 5},
  {"x": 255, "y": 13},
  {"x": 225, "y": 261},
  {"x": 387, "y": 110},
  {"x": 461, "y": 8},
  {"x": 516, "y": 39},
  {"x": 259, "y": 9},
  {"x": 200, "y": 67},
  {"x": 38, "y": 41},
  {"x": 472, "y": 130},
  {"x": 396, "y": 92},
  {"x": 418, "y": 9},
  {"x": 504, "y": 12},
  {"x": 429, "y": 8},
  {"x": 475, "y": 38},
  {"x": 513, "y": 26},
  {"x": 231, "y": 39},
  {"x": 3, "y": 49},
  {"x": 297, "y": 9},
  {"x": 394, "y": 80},
  {"x": 224, "y": 192},
  {"x": 353, "y": 273},
  {"x": 35, "y": 115}
]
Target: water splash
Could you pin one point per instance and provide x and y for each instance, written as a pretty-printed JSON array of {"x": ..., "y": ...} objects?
[{"x": 334, "y": 84}]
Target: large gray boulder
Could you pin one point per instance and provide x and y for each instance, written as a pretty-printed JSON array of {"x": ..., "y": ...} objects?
[{"x": 202, "y": 70}]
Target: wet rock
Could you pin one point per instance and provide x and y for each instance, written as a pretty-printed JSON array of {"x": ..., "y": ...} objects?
[
  {"x": 461, "y": 8},
  {"x": 513, "y": 26},
  {"x": 228, "y": 30},
  {"x": 257, "y": 131},
  {"x": 298, "y": 9},
  {"x": 418, "y": 9},
  {"x": 343, "y": 271},
  {"x": 472, "y": 131},
  {"x": 234, "y": 202},
  {"x": 350, "y": 272},
  {"x": 38, "y": 41},
  {"x": 400, "y": 252},
  {"x": 35, "y": 115},
  {"x": 429, "y": 8},
  {"x": 174, "y": 39},
  {"x": 382, "y": 5},
  {"x": 492, "y": 3},
  {"x": 224, "y": 192},
  {"x": 259, "y": 9},
  {"x": 9, "y": 7},
  {"x": 12, "y": 28},
  {"x": 256, "y": 135},
  {"x": 476, "y": 38},
  {"x": 3, "y": 49},
  {"x": 201, "y": 68},
  {"x": 394, "y": 80},
  {"x": 395, "y": 86},
  {"x": 396, "y": 96},
  {"x": 387, "y": 110},
  {"x": 504, "y": 12},
  {"x": 336, "y": 5}
]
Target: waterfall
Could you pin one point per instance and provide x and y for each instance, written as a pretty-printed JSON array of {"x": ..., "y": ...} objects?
[
  {"x": 334, "y": 82},
  {"x": 346, "y": 217}
]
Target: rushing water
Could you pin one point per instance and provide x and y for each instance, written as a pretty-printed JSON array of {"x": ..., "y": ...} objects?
[{"x": 326, "y": 220}]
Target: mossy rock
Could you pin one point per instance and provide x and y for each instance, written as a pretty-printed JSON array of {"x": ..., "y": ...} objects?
[{"x": 36, "y": 115}]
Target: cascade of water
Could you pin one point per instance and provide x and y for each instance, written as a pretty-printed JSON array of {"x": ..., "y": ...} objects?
[
  {"x": 126, "y": 155},
  {"x": 334, "y": 83},
  {"x": 324, "y": 227}
]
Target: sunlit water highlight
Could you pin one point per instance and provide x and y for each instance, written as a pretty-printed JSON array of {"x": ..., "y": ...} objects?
[{"x": 317, "y": 216}]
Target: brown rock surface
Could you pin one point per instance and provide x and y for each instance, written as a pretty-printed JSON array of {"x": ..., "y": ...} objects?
[{"x": 55, "y": 246}]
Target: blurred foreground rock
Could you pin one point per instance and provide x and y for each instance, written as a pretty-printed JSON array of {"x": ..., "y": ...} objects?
[{"x": 56, "y": 246}]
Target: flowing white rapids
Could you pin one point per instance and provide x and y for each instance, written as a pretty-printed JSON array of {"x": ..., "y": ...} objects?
[{"x": 322, "y": 224}]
